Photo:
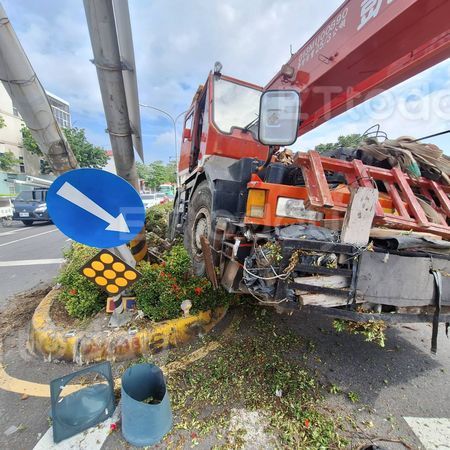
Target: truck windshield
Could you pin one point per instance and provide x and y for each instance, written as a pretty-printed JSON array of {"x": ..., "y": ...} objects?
[{"x": 235, "y": 105}]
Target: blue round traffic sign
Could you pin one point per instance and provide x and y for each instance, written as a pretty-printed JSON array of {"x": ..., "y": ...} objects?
[{"x": 95, "y": 207}]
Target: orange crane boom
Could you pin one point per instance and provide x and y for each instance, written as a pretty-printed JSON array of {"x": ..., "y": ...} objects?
[{"x": 366, "y": 47}]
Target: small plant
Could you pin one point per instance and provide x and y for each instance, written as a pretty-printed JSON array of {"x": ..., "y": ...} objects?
[
  {"x": 81, "y": 297},
  {"x": 339, "y": 325},
  {"x": 373, "y": 330},
  {"x": 272, "y": 251},
  {"x": 335, "y": 389},
  {"x": 353, "y": 396}
]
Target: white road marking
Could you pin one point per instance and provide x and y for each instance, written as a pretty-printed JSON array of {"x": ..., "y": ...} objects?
[
  {"x": 7, "y": 233},
  {"x": 434, "y": 433},
  {"x": 31, "y": 262},
  {"x": 28, "y": 237},
  {"x": 90, "y": 439}
]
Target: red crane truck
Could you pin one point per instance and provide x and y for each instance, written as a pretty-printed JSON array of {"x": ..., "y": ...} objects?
[{"x": 306, "y": 230}]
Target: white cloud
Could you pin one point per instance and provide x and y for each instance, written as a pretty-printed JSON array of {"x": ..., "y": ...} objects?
[
  {"x": 164, "y": 139},
  {"x": 418, "y": 107}
]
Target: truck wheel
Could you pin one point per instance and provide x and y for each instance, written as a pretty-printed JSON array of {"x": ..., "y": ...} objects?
[
  {"x": 198, "y": 224},
  {"x": 27, "y": 223}
]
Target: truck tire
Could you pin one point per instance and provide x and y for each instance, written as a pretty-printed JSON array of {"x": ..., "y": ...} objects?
[{"x": 198, "y": 223}]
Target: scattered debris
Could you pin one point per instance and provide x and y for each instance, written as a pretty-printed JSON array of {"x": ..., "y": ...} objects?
[
  {"x": 78, "y": 405},
  {"x": 247, "y": 430},
  {"x": 20, "y": 311},
  {"x": 146, "y": 409},
  {"x": 353, "y": 396},
  {"x": 13, "y": 429},
  {"x": 373, "y": 330},
  {"x": 285, "y": 156},
  {"x": 119, "y": 320},
  {"x": 186, "y": 306},
  {"x": 250, "y": 393}
]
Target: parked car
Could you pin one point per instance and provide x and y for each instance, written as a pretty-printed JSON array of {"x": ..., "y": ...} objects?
[
  {"x": 30, "y": 206},
  {"x": 162, "y": 197},
  {"x": 149, "y": 200},
  {"x": 157, "y": 198}
]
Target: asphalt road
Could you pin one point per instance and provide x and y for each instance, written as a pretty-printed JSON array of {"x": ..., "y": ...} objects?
[
  {"x": 403, "y": 389},
  {"x": 28, "y": 256},
  {"x": 395, "y": 384}
]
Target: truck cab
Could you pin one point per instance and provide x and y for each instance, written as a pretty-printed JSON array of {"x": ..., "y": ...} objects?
[{"x": 221, "y": 121}]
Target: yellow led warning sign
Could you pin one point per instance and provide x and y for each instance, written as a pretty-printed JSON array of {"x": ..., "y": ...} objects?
[{"x": 109, "y": 272}]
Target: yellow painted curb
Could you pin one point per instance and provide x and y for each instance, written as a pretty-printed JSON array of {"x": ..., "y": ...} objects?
[
  {"x": 83, "y": 347},
  {"x": 18, "y": 386}
]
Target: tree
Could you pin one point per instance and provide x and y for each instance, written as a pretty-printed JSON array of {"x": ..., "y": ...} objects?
[
  {"x": 171, "y": 168},
  {"x": 157, "y": 173},
  {"x": 29, "y": 143},
  {"x": 348, "y": 141},
  {"x": 2, "y": 122},
  {"x": 87, "y": 154},
  {"x": 8, "y": 161}
]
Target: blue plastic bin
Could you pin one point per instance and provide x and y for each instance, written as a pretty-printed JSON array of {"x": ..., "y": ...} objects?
[{"x": 142, "y": 423}]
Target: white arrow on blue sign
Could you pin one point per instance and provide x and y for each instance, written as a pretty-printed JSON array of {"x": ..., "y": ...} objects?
[{"x": 95, "y": 207}]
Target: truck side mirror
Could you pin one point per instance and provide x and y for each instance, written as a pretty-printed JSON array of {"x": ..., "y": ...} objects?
[
  {"x": 186, "y": 134},
  {"x": 279, "y": 117}
]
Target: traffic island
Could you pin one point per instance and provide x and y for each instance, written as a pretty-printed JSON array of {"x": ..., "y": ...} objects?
[{"x": 56, "y": 342}]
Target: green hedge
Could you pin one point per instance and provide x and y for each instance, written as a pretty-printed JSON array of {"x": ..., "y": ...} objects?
[
  {"x": 81, "y": 297},
  {"x": 159, "y": 292}
]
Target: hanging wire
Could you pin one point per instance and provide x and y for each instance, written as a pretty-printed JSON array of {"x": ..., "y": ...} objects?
[{"x": 376, "y": 132}]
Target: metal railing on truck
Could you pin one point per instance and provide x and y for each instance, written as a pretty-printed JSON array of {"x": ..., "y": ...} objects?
[{"x": 409, "y": 213}]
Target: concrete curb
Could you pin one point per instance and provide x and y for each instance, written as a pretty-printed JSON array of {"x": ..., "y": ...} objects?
[{"x": 56, "y": 343}]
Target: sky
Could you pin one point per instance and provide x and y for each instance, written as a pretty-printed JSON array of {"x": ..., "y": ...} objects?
[{"x": 177, "y": 43}]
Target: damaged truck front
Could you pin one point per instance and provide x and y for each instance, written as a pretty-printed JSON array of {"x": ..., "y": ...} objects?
[{"x": 361, "y": 234}]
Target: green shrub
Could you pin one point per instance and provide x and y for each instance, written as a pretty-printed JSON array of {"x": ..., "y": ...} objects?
[
  {"x": 157, "y": 219},
  {"x": 81, "y": 297},
  {"x": 177, "y": 262},
  {"x": 163, "y": 287}
]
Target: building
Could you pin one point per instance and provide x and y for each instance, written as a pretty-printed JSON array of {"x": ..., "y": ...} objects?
[
  {"x": 11, "y": 136},
  {"x": 61, "y": 110}
]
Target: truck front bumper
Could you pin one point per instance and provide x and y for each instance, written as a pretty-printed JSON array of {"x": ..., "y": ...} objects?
[{"x": 394, "y": 279}]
